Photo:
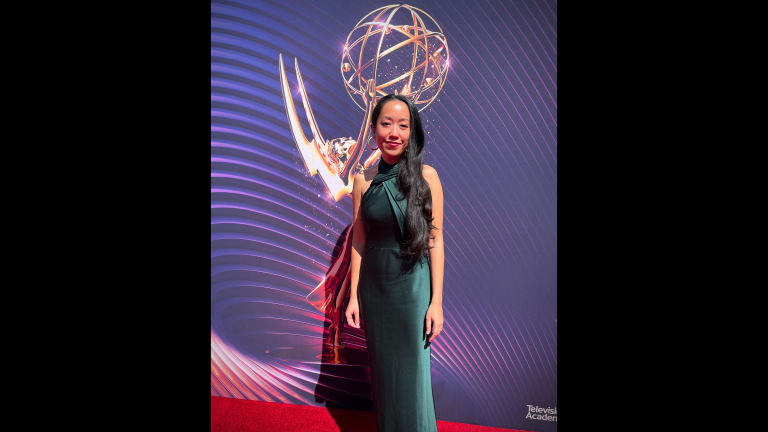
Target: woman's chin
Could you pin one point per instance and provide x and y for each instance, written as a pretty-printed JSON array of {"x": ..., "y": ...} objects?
[{"x": 392, "y": 153}]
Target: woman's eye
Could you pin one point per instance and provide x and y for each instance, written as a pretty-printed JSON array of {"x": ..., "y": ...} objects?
[{"x": 403, "y": 126}]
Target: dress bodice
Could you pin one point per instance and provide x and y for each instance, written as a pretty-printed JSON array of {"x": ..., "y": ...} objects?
[{"x": 383, "y": 209}]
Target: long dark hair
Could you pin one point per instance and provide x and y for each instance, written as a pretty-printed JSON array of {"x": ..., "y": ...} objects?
[{"x": 411, "y": 182}]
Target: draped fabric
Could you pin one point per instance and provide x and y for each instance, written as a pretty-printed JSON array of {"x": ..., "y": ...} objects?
[{"x": 386, "y": 178}]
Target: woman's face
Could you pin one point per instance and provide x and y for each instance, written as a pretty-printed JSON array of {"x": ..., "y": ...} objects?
[{"x": 392, "y": 129}]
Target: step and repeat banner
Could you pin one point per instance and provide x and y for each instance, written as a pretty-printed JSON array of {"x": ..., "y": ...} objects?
[{"x": 290, "y": 85}]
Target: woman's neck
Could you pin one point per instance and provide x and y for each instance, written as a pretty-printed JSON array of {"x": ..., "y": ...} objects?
[{"x": 392, "y": 162}]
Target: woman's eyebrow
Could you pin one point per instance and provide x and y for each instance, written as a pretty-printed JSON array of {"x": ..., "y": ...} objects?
[{"x": 401, "y": 118}]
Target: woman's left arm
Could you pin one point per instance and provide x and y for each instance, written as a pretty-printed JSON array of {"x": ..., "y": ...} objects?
[{"x": 434, "y": 318}]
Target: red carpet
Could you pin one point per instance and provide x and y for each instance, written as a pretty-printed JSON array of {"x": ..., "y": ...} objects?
[{"x": 240, "y": 415}]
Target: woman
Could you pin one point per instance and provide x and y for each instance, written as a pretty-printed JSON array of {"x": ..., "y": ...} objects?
[{"x": 397, "y": 264}]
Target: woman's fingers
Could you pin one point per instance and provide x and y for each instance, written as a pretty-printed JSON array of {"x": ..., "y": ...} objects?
[
  {"x": 349, "y": 317},
  {"x": 437, "y": 329},
  {"x": 353, "y": 317}
]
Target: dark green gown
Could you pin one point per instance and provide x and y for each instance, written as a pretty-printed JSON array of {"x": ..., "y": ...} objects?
[{"x": 393, "y": 305}]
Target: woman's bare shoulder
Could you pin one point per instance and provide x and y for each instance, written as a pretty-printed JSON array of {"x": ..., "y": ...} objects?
[
  {"x": 428, "y": 172},
  {"x": 371, "y": 172},
  {"x": 367, "y": 174},
  {"x": 365, "y": 177}
]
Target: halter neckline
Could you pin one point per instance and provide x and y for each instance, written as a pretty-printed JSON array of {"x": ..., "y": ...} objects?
[{"x": 384, "y": 166}]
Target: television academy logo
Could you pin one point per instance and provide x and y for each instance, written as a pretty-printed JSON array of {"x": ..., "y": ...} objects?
[{"x": 536, "y": 412}]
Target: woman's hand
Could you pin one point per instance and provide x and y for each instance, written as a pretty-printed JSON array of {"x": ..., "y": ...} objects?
[
  {"x": 434, "y": 320},
  {"x": 353, "y": 313}
]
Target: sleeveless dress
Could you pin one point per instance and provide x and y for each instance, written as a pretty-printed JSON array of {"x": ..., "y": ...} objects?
[{"x": 394, "y": 299}]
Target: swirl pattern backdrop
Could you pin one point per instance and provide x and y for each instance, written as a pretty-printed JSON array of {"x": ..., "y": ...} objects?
[{"x": 277, "y": 230}]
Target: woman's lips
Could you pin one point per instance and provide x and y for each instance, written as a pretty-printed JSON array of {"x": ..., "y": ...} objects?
[{"x": 392, "y": 144}]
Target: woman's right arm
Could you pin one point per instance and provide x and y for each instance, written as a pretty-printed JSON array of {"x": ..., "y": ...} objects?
[{"x": 358, "y": 246}]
